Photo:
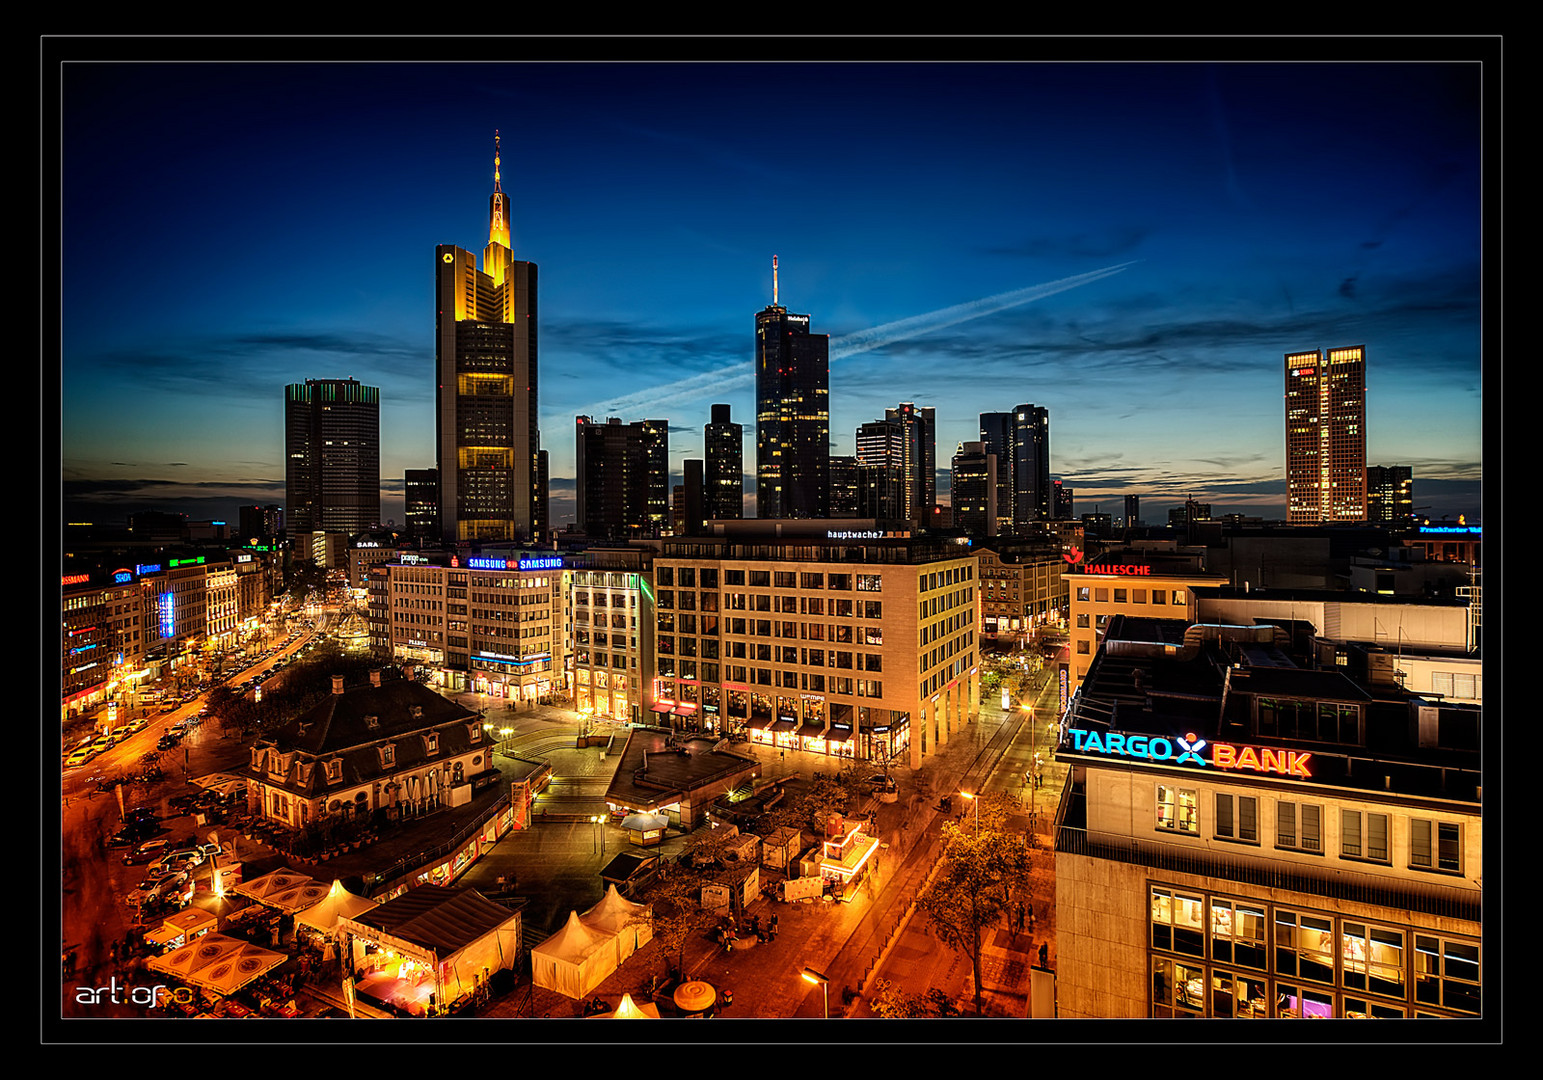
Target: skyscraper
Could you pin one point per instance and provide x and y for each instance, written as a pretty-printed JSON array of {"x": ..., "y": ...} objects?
[
  {"x": 486, "y": 422},
  {"x": 972, "y": 489},
  {"x": 1326, "y": 435},
  {"x": 792, "y": 414},
  {"x": 724, "y": 481},
  {"x": 332, "y": 456},
  {"x": 622, "y": 486},
  {"x": 1390, "y": 494},
  {"x": 422, "y": 503},
  {"x": 881, "y": 455},
  {"x": 919, "y": 462},
  {"x": 1021, "y": 441}
]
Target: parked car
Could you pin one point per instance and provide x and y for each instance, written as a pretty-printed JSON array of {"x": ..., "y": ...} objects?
[
  {"x": 167, "y": 742},
  {"x": 150, "y": 849},
  {"x": 182, "y": 859},
  {"x": 879, "y": 782},
  {"x": 80, "y": 757},
  {"x": 174, "y": 886}
]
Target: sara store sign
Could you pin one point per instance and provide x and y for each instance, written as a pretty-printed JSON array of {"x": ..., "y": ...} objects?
[{"x": 1191, "y": 750}]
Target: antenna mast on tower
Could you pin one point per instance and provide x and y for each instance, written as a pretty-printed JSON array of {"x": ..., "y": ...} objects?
[{"x": 774, "y": 281}]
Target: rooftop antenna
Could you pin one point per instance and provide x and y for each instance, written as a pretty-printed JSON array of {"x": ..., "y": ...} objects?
[
  {"x": 496, "y": 186},
  {"x": 774, "y": 281}
]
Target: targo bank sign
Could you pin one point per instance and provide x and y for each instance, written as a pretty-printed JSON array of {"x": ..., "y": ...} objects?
[{"x": 1194, "y": 751}]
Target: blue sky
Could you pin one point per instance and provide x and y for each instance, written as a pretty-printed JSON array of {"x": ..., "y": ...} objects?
[{"x": 231, "y": 228}]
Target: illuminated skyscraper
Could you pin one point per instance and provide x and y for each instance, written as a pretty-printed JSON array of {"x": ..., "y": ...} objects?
[
  {"x": 332, "y": 456},
  {"x": 486, "y": 423},
  {"x": 792, "y": 414},
  {"x": 1326, "y": 435},
  {"x": 1390, "y": 494},
  {"x": 920, "y": 459}
]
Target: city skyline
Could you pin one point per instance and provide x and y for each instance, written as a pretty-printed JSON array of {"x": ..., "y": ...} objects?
[{"x": 1133, "y": 246}]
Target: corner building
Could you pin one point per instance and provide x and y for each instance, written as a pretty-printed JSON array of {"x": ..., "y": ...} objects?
[
  {"x": 857, "y": 642},
  {"x": 1240, "y": 838}
]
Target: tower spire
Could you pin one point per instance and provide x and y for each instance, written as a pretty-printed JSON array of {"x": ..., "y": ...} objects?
[
  {"x": 774, "y": 281},
  {"x": 498, "y": 210},
  {"x": 496, "y": 176}
]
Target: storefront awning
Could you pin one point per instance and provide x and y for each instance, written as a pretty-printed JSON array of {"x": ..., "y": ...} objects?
[
  {"x": 685, "y": 708},
  {"x": 783, "y": 724},
  {"x": 662, "y": 706},
  {"x": 838, "y": 733},
  {"x": 811, "y": 730},
  {"x": 758, "y": 723}
]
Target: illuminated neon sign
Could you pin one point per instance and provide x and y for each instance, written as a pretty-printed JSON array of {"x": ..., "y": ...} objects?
[
  {"x": 546, "y": 562},
  {"x": 1117, "y": 569},
  {"x": 486, "y": 562},
  {"x": 147, "y": 568},
  {"x": 75, "y": 579},
  {"x": 1187, "y": 750},
  {"x": 122, "y": 577}
]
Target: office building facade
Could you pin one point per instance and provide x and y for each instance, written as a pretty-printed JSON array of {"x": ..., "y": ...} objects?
[
  {"x": 919, "y": 458},
  {"x": 1243, "y": 838},
  {"x": 621, "y": 483},
  {"x": 792, "y": 416},
  {"x": 1390, "y": 494},
  {"x": 486, "y": 420},
  {"x": 332, "y": 456},
  {"x": 1326, "y": 435}
]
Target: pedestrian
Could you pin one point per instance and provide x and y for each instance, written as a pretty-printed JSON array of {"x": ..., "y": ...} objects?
[
  {"x": 1044, "y": 954},
  {"x": 1031, "y": 918}
]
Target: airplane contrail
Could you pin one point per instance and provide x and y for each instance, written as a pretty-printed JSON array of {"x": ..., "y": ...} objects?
[{"x": 862, "y": 341}]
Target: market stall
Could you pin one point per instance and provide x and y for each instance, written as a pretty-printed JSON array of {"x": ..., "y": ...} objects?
[
  {"x": 629, "y": 925},
  {"x": 574, "y": 960},
  {"x": 430, "y": 947}
]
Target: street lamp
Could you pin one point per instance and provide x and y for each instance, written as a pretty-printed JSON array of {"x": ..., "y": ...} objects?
[
  {"x": 812, "y": 976},
  {"x": 976, "y": 800},
  {"x": 599, "y": 821}
]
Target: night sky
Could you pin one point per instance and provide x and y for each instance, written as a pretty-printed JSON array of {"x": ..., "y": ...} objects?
[{"x": 1133, "y": 246}]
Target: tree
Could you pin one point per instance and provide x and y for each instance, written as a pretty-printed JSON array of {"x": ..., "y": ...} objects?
[
  {"x": 983, "y": 867},
  {"x": 675, "y": 912}
]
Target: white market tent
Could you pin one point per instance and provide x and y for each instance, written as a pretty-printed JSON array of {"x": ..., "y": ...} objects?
[
  {"x": 284, "y": 889},
  {"x": 628, "y": 925},
  {"x": 574, "y": 960},
  {"x": 456, "y": 932},
  {"x": 627, "y": 1009},
  {"x": 218, "y": 963},
  {"x": 339, "y": 903}
]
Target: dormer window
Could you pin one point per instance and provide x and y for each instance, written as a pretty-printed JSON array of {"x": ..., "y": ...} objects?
[
  {"x": 371, "y": 721},
  {"x": 334, "y": 770},
  {"x": 476, "y": 733},
  {"x": 388, "y": 755},
  {"x": 432, "y": 742}
]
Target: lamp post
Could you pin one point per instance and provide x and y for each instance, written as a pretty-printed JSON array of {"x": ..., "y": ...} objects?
[
  {"x": 812, "y": 976},
  {"x": 976, "y": 800},
  {"x": 1028, "y": 707}
]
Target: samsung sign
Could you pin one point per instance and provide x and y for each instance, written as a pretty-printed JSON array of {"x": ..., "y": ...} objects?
[
  {"x": 545, "y": 562},
  {"x": 1191, "y": 750}
]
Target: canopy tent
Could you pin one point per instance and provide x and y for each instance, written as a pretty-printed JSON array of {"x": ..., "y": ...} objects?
[
  {"x": 283, "y": 889},
  {"x": 574, "y": 960},
  {"x": 218, "y": 963},
  {"x": 629, "y": 925},
  {"x": 454, "y": 931},
  {"x": 182, "y": 927},
  {"x": 627, "y": 1009},
  {"x": 339, "y": 903}
]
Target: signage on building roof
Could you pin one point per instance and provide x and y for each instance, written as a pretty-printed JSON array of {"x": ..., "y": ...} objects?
[
  {"x": 544, "y": 562},
  {"x": 74, "y": 579},
  {"x": 1192, "y": 750},
  {"x": 486, "y": 562},
  {"x": 1123, "y": 569}
]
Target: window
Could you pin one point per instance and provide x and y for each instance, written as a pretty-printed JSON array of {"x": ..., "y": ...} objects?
[
  {"x": 1237, "y": 934},
  {"x": 1373, "y": 959},
  {"x": 1178, "y": 989},
  {"x": 1177, "y": 922},
  {"x": 1363, "y": 836},
  {"x": 1082, "y": 622},
  {"x": 1447, "y": 850},
  {"x": 1299, "y": 826},
  {"x": 1244, "y": 825},
  {"x": 1119, "y": 596},
  {"x": 1446, "y": 973},
  {"x": 1159, "y": 596},
  {"x": 1304, "y": 946},
  {"x": 1082, "y": 592},
  {"x": 1178, "y": 809}
]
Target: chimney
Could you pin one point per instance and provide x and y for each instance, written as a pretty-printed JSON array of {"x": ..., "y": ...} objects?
[
  {"x": 375, "y": 677},
  {"x": 337, "y": 684}
]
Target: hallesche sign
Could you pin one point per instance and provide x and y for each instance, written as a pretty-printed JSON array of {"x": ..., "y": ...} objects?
[{"x": 1188, "y": 751}]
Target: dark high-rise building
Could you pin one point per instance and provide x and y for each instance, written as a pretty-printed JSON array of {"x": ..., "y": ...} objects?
[
  {"x": 1326, "y": 435},
  {"x": 920, "y": 458},
  {"x": 621, "y": 490},
  {"x": 332, "y": 456},
  {"x": 724, "y": 478},
  {"x": 1390, "y": 494},
  {"x": 792, "y": 414},
  {"x": 258, "y": 521},
  {"x": 1061, "y": 497},
  {"x": 882, "y": 488},
  {"x": 1021, "y": 441},
  {"x": 972, "y": 489},
  {"x": 691, "y": 519},
  {"x": 654, "y": 439},
  {"x": 843, "y": 487},
  {"x": 486, "y": 422},
  {"x": 1132, "y": 511},
  {"x": 422, "y": 509}
]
